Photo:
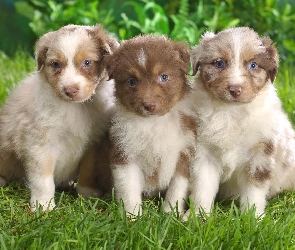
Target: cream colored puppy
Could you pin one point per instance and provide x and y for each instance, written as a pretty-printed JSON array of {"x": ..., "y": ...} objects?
[
  {"x": 52, "y": 115},
  {"x": 245, "y": 143}
]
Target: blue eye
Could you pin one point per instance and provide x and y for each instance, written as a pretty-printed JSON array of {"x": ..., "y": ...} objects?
[
  {"x": 164, "y": 78},
  {"x": 56, "y": 65},
  {"x": 87, "y": 63},
  {"x": 252, "y": 65},
  {"x": 131, "y": 82},
  {"x": 219, "y": 64}
]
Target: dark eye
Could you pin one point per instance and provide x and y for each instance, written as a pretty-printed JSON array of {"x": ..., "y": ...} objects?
[
  {"x": 87, "y": 63},
  {"x": 253, "y": 65},
  {"x": 56, "y": 65},
  {"x": 131, "y": 82},
  {"x": 164, "y": 78},
  {"x": 219, "y": 64}
]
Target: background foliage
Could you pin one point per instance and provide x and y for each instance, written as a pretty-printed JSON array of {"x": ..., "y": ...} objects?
[{"x": 181, "y": 20}]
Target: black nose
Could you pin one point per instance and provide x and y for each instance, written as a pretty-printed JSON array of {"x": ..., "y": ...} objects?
[
  {"x": 149, "y": 106},
  {"x": 235, "y": 90}
]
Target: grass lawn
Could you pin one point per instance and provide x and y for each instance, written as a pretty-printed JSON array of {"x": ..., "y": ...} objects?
[{"x": 77, "y": 223}]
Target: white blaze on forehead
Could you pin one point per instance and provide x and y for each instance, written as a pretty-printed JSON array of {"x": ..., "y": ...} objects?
[
  {"x": 237, "y": 52},
  {"x": 141, "y": 57},
  {"x": 69, "y": 43}
]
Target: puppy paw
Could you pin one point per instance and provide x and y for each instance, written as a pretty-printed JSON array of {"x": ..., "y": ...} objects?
[
  {"x": 46, "y": 206},
  {"x": 186, "y": 215}
]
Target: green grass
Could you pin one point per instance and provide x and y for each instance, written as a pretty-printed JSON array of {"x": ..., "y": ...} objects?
[
  {"x": 77, "y": 223},
  {"x": 13, "y": 70}
]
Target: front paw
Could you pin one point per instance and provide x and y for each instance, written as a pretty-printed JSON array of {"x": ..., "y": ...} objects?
[
  {"x": 47, "y": 205},
  {"x": 186, "y": 215}
]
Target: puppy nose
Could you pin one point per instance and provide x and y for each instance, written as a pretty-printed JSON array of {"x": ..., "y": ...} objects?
[
  {"x": 235, "y": 91},
  {"x": 149, "y": 106},
  {"x": 71, "y": 91}
]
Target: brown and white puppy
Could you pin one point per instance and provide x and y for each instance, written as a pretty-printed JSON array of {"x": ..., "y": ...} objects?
[
  {"x": 245, "y": 144},
  {"x": 52, "y": 115},
  {"x": 153, "y": 132}
]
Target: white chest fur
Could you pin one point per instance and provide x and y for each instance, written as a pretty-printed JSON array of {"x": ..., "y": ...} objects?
[
  {"x": 227, "y": 131},
  {"x": 153, "y": 144}
]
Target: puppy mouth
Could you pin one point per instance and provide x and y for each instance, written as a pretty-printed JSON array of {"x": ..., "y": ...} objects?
[{"x": 236, "y": 94}]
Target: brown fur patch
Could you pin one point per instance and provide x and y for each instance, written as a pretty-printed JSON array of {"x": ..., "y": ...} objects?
[
  {"x": 183, "y": 164},
  {"x": 118, "y": 156},
  {"x": 265, "y": 147},
  {"x": 260, "y": 175},
  {"x": 95, "y": 170},
  {"x": 189, "y": 123}
]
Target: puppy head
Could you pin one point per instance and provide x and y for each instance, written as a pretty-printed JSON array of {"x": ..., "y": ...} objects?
[
  {"x": 235, "y": 64},
  {"x": 71, "y": 59},
  {"x": 149, "y": 73}
]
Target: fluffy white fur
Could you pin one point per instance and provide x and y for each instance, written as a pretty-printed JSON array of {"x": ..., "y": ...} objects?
[
  {"x": 232, "y": 156},
  {"x": 148, "y": 141},
  {"x": 43, "y": 130}
]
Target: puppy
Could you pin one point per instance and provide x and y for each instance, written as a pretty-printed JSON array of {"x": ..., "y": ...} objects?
[
  {"x": 152, "y": 135},
  {"x": 245, "y": 142},
  {"x": 51, "y": 116}
]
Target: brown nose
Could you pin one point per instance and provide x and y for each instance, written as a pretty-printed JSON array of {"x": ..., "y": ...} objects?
[
  {"x": 149, "y": 106},
  {"x": 235, "y": 91},
  {"x": 71, "y": 91}
]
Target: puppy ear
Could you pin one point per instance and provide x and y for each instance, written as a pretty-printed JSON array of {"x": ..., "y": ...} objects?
[
  {"x": 184, "y": 55},
  {"x": 195, "y": 58},
  {"x": 197, "y": 50},
  {"x": 42, "y": 46},
  {"x": 270, "y": 58},
  {"x": 110, "y": 62},
  {"x": 106, "y": 43}
]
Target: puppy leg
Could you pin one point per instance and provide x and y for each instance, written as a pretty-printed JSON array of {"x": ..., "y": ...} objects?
[
  {"x": 254, "y": 181},
  {"x": 204, "y": 184},
  {"x": 177, "y": 194},
  {"x": 253, "y": 195},
  {"x": 178, "y": 189},
  {"x": 41, "y": 182},
  {"x": 128, "y": 183}
]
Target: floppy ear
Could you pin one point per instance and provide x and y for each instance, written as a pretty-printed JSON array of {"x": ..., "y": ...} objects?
[
  {"x": 110, "y": 63},
  {"x": 105, "y": 42},
  {"x": 197, "y": 50},
  {"x": 195, "y": 58},
  {"x": 184, "y": 55},
  {"x": 270, "y": 58},
  {"x": 42, "y": 46}
]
